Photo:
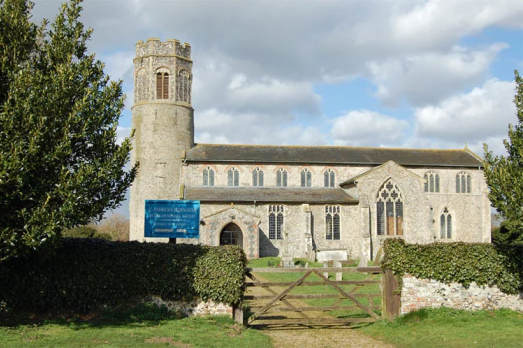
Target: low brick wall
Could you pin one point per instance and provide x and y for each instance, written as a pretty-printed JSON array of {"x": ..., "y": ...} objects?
[
  {"x": 421, "y": 293},
  {"x": 194, "y": 308}
]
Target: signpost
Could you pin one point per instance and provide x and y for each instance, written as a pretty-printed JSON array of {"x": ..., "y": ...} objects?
[{"x": 172, "y": 219}]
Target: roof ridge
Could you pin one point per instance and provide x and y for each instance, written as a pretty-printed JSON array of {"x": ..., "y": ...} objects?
[{"x": 334, "y": 146}]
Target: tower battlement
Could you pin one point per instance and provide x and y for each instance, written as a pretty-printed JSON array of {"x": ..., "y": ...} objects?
[{"x": 170, "y": 48}]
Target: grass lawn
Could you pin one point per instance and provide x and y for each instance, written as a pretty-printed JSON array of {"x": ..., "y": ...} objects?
[
  {"x": 146, "y": 326},
  {"x": 445, "y": 327}
]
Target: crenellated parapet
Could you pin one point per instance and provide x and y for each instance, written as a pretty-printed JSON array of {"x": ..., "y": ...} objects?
[{"x": 171, "y": 48}]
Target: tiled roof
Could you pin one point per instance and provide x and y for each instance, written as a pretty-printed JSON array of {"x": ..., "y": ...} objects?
[
  {"x": 332, "y": 155},
  {"x": 268, "y": 194}
]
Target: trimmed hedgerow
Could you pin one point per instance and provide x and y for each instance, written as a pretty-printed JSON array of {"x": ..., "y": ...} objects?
[
  {"x": 459, "y": 262},
  {"x": 88, "y": 273}
]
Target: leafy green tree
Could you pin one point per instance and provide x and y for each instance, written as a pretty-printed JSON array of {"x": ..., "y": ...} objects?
[
  {"x": 60, "y": 164},
  {"x": 504, "y": 174}
]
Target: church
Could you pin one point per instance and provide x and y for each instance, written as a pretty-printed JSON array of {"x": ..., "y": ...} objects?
[{"x": 303, "y": 201}]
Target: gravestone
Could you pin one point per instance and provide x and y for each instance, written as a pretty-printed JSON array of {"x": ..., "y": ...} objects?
[
  {"x": 339, "y": 275},
  {"x": 363, "y": 260}
]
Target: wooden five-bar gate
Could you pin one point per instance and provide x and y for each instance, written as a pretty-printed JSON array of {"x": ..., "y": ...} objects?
[{"x": 303, "y": 301}]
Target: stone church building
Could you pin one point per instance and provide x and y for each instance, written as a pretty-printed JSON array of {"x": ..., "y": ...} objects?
[{"x": 307, "y": 201}]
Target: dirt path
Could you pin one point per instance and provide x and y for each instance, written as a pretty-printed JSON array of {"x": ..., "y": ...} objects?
[{"x": 306, "y": 336}]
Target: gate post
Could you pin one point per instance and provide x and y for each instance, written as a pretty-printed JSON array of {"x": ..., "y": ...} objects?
[
  {"x": 391, "y": 302},
  {"x": 237, "y": 313}
]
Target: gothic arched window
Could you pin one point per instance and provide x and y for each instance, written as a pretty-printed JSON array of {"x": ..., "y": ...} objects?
[
  {"x": 328, "y": 178},
  {"x": 281, "y": 178},
  {"x": 306, "y": 178},
  {"x": 208, "y": 177},
  {"x": 332, "y": 222},
  {"x": 463, "y": 182},
  {"x": 389, "y": 210},
  {"x": 257, "y": 177},
  {"x": 276, "y": 215},
  {"x": 233, "y": 177},
  {"x": 445, "y": 223},
  {"x": 431, "y": 182},
  {"x": 162, "y": 85}
]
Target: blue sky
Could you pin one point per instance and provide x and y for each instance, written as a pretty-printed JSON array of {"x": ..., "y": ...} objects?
[{"x": 424, "y": 74}]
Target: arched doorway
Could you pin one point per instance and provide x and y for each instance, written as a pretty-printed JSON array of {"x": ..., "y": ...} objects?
[{"x": 231, "y": 235}]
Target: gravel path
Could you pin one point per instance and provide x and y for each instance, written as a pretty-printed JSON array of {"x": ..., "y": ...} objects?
[{"x": 321, "y": 337}]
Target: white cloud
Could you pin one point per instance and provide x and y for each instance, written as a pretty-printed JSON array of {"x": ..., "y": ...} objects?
[
  {"x": 429, "y": 77},
  {"x": 481, "y": 115},
  {"x": 367, "y": 128},
  {"x": 438, "y": 22},
  {"x": 214, "y": 126}
]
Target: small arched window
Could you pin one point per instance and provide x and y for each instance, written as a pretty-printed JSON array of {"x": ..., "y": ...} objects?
[
  {"x": 233, "y": 177},
  {"x": 257, "y": 177},
  {"x": 463, "y": 182},
  {"x": 276, "y": 215},
  {"x": 281, "y": 178},
  {"x": 431, "y": 182},
  {"x": 208, "y": 177},
  {"x": 306, "y": 178},
  {"x": 328, "y": 178},
  {"x": 162, "y": 85},
  {"x": 332, "y": 222},
  {"x": 445, "y": 222}
]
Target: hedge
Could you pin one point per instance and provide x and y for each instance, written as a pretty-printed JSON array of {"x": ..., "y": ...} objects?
[
  {"x": 464, "y": 263},
  {"x": 89, "y": 273}
]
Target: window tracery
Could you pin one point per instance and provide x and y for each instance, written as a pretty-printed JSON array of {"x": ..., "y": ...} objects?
[
  {"x": 332, "y": 222},
  {"x": 208, "y": 177},
  {"x": 276, "y": 221},
  {"x": 329, "y": 177},
  {"x": 257, "y": 177},
  {"x": 233, "y": 177},
  {"x": 306, "y": 178},
  {"x": 389, "y": 210},
  {"x": 431, "y": 182},
  {"x": 281, "y": 178}
]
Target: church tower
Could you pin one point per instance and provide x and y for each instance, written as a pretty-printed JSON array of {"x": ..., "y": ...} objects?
[{"x": 163, "y": 122}]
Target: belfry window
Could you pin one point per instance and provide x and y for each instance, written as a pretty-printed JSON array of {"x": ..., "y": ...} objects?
[
  {"x": 463, "y": 182},
  {"x": 208, "y": 177},
  {"x": 431, "y": 182},
  {"x": 306, "y": 178},
  {"x": 233, "y": 177},
  {"x": 281, "y": 178},
  {"x": 332, "y": 222},
  {"x": 276, "y": 216},
  {"x": 389, "y": 210},
  {"x": 445, "y": 223},
  {"x": 328, "y": 178},
  {"x": 257, "y": 177},
  {"x": 162, "y": 85}
]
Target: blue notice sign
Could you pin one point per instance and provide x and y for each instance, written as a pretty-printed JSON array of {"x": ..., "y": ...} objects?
[{"x": 172, "y": 219}]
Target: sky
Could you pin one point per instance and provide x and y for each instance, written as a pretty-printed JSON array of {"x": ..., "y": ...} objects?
[{"x": 407, "y": 74}]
